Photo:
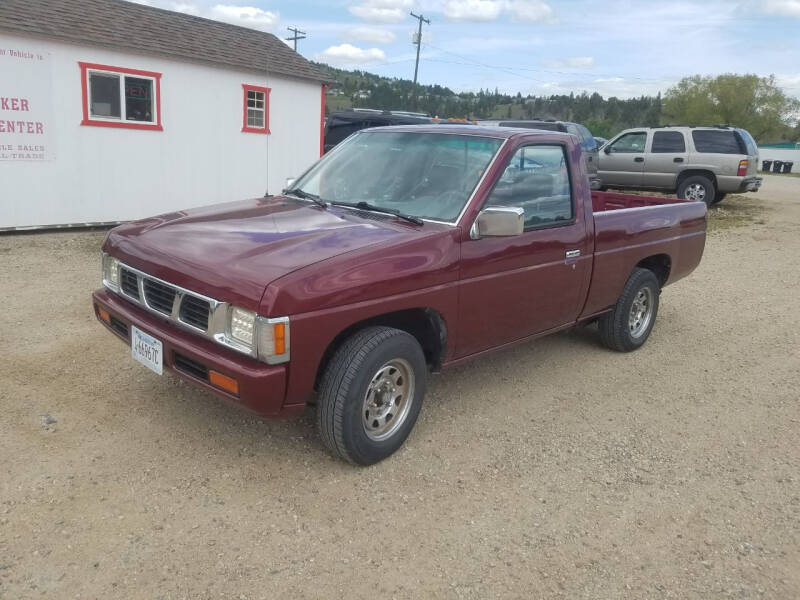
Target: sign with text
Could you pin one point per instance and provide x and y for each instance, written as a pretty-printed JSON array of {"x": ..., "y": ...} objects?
[{"x": 26, "y": 108}]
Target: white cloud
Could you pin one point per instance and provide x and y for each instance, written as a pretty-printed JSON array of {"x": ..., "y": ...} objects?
[
  {"x": 347, "y": 54},
  {"x": 472, "y": 10},
  {"x": 246, "y": 16},
  {"x": 574, "y": 62},
  {"x": 189, "y": 9},
  {"x": 789, "y": 8},
  {"x": 527, "y": 11},
  {"x": 382, "y": 11},
  {"x": 371, "y": 35},
  {"x": 530, "y": 11}
]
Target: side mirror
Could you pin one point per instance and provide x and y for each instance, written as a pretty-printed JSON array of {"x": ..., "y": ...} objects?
[
  {"x": 607, "y": 149},
  {"x": 498, "y": 221},
  {"x": 290, "y": 182}
]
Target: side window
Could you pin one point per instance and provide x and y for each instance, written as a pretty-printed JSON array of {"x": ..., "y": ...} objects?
[
  {"x": 717, "y": 141},
  {"x": 630, "y": 143},
  {"x": 668, "y": 141},
  {"x": 537, "y": 180},
  {"x": 120, "y": 97}
]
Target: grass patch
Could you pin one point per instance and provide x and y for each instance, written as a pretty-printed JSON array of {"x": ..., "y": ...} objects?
[{"x": 735, "y": 211}]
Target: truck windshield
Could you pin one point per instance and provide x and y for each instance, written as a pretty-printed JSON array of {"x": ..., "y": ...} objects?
[{"x": 427, "y": 175}]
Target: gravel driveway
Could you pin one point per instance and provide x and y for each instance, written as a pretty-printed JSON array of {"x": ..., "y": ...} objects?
[{"x": 555, "y": 469}]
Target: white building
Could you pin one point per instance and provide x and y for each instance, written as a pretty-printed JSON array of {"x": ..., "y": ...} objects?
[{"x": 111, "y": 111}]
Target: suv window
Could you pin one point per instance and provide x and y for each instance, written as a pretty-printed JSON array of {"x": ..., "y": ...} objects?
[
  {"x": 749, "y": 142},
  {"x": 587, "y": 140},
  {"x": 339, "y": 130},
  {"x": 537, "y": 180},
  {"x": 717, "y": 141},
  {"x": 668, "y": 141},
  {"x": 630, "y": 143}
]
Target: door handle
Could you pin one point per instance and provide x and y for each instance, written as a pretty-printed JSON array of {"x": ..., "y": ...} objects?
[
  {"x": 573, "y": 253},
  {"x": 638, "y": 159},
  {"x": 677, "y": 159}
]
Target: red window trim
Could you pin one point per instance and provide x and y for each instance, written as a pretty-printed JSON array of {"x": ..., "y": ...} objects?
[
  {"x": 246, "y": 87},
  {"x": 87, "y": 120}
]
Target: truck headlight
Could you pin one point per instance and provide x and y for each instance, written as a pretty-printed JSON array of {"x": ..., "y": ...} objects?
[
  {"x": 273, "y": 340},
  {"x": 110, "y": 272},
  {"x": 242, "y": 325}
]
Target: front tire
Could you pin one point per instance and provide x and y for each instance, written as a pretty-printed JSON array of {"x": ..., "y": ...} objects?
[
  {"x": 628, "y": 325},
  {"x": 697, "y": 188},
  {"x": 371, "y": 394}
]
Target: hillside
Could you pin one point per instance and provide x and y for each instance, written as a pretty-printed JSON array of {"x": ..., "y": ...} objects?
[{"x": 603, "y": 116}]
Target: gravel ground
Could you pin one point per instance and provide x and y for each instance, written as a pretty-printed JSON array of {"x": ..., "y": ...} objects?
[{"x": 555, "y": 469}]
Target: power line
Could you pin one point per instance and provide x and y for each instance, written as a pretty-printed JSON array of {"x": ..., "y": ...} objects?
[
  {"x": 418, "y": 42},
  {"x": 298, "y": 35}
]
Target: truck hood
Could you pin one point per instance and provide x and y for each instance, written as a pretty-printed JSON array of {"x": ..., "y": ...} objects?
[{"x": 232, "y": 251}]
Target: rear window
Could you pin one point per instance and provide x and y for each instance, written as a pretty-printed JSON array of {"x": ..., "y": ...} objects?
[
  {"x": 719, "y": 142},
  {"x": 668, "y": 141},
  {"x": 749, "y": 142},
  {"x": 339, "y": 130}
]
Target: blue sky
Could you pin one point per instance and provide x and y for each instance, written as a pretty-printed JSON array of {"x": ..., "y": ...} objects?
[{"x": 618, "y": 48}]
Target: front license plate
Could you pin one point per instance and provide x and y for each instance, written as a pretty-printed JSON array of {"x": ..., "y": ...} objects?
[{"x": 147, "y": 350}]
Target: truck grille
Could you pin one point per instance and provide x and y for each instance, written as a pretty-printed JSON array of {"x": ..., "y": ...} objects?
[
  {"x": 159, "y": 296},
  {"x": 129, "y": 282},
  {"x": 195, "y": 311}
]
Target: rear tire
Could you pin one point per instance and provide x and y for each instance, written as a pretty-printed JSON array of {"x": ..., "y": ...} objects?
[
  {"x": 697, "y": 188},
  {"x": 628, "y": 325},
  {"x": 371, "y": 394},
  {"x": 719, "y": 197}
]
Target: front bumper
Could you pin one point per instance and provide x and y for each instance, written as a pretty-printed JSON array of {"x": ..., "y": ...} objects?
[{"x": 262, "y": 387}]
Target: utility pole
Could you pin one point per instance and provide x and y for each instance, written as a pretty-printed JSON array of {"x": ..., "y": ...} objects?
[
  {"x": 298, "y": 35},
  {"x": 418, "y": 42}
]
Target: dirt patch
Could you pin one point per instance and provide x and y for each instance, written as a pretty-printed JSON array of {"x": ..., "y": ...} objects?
[
  {"x": 736, "y": 210},
  {"x": 556, "y": 469}
]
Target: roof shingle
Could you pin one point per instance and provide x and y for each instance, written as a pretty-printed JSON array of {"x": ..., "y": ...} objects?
[{"x": 125, "y": 25}]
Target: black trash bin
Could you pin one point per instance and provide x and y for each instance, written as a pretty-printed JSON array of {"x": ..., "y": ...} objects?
[
  {"x": 787, "y": 166},
  {"x": 777, "y": 166},
  {"x": 766, "y": 166}
]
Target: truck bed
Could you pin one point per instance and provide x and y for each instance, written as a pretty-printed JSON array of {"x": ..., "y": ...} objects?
[{"x": 629, "y": 229}]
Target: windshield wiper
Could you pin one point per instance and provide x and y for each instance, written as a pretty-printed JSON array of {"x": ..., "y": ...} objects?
[
  {"x": 307, "y": 196},
  {"x": 389, "y": 211}
]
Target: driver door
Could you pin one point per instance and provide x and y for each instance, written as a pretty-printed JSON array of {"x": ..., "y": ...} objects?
[
  {"x": 517, "y": 286},
  {"x": 622, "y": 161}
]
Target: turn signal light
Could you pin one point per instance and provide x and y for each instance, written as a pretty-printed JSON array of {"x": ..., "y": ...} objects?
[
  {"x": 224, "y": 382},
  {"x": 104, "y": 315},
  {"x": 280, "y": 338},
  {"x": 742, "y": 168}
]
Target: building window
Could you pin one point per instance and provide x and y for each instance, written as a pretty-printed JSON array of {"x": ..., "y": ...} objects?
[
  {"x": 255, "y": 118},
  {"x": 118, "y": 97}
]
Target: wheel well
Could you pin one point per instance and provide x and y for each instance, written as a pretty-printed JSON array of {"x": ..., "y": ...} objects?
[
  {"x": 425, "y": 324},
  {"x": 659, "y": 264},
  {"x": 692, "y": 172}
]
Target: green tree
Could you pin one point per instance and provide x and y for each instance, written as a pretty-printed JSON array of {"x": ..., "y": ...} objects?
[{"x": 748, "y": 101}]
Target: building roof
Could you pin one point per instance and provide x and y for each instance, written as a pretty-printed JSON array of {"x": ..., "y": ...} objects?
[{"x": 144, "y": 29}]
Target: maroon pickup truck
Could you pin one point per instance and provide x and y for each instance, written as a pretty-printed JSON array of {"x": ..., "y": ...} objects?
[{"x": 405, "y": 250}]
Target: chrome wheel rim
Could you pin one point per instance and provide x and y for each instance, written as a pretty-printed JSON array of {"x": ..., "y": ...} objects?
[
  {"x": 695, "y": 193},
  {"x": 641, "y": 312},
  {"x": 388, "y": 399}
]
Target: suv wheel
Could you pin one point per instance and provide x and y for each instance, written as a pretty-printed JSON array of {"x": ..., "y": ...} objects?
[
  {"x": 697, "y": 188},
  {"x": 371, "y": 394}
]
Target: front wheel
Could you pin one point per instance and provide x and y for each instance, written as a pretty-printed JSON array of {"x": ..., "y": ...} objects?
[
  {"x": 371, "y": 394},
  {"x": 629, "y": 324}
]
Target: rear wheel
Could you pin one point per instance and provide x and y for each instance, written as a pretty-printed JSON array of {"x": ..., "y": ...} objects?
[
  {"x": 697, "y": 188},
  {"x": 629, "y": 324},
  {"x": 371, "y": 394}
]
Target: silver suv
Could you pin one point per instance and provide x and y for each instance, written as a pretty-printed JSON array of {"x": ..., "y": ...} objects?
[{"x": 699, "y": 163}]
